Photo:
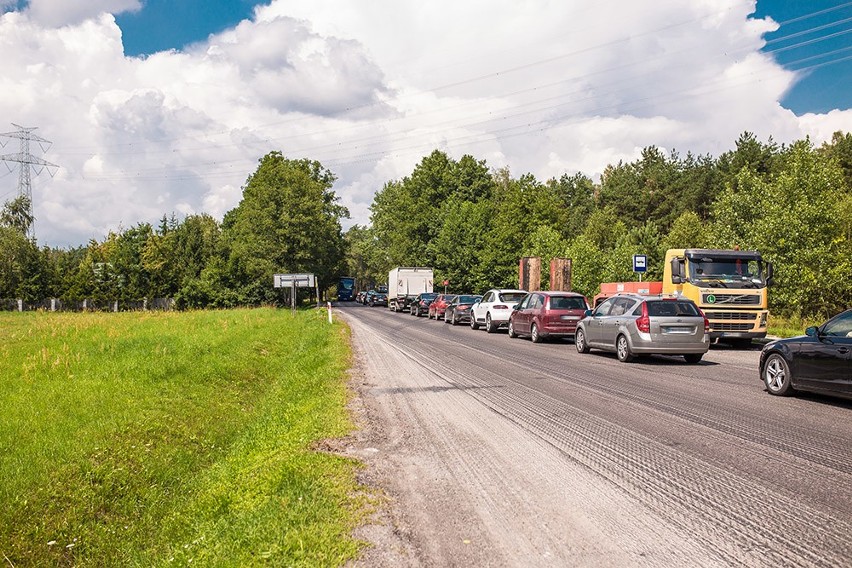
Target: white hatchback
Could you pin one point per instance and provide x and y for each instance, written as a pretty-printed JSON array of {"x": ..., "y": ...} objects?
[{"x": 494, "y": 309}]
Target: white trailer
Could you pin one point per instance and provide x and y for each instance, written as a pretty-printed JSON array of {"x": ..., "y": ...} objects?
[{"x": 405, "y": 283}]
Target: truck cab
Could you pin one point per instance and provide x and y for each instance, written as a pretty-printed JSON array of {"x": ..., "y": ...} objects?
[{"x": 730, "y": 287}]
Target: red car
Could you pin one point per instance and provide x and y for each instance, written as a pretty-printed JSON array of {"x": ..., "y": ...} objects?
[
  {"x": 547, "y": 314},
  {"x": 439, "y": 305}
]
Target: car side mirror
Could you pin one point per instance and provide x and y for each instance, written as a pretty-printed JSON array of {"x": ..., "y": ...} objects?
[
  {"x": 587, "y": 313},
  {"x": 812, "y": 331},
  {"x": 770, "y": 278}
]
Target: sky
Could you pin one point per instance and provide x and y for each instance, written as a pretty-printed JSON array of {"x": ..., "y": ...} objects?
[{"x": 156, "y": 107}]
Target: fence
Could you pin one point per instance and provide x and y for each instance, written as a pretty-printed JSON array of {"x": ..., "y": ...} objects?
[{"x": 86, "y": 305}]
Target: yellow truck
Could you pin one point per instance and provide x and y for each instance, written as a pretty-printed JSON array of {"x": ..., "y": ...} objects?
[{"x": 730, "y": 286}]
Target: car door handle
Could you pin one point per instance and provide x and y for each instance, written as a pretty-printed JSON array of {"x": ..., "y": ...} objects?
[{"x": 843, "y": 350}]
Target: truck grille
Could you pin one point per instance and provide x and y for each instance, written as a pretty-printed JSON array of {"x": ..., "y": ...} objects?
[
  {"x": 730, "y": 315},
  {"x": 730, "y": 326},
  {"x": 731, "y": 299}
]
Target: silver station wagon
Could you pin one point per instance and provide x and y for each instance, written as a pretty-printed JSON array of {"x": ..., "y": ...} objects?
[{"x": 633, "y": 325}]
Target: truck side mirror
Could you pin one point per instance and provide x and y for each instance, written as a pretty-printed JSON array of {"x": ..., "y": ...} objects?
[
  {"x": 770, "y": 279},
  {"x": 677, "y": 271}
]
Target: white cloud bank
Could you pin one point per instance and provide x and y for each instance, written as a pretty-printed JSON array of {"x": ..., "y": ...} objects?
[{"x": 368, "y": 89}]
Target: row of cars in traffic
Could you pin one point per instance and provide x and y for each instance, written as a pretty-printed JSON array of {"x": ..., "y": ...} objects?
[
  {"x": 634, "y": 325},
  {"x": 670, "y": 326}
]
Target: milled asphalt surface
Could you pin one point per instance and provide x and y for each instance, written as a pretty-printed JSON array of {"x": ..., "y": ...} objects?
[{"x": 499, "y": 452}]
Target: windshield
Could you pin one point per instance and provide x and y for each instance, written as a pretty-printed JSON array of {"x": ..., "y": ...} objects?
[
  {"x": 672, "y": 308},
  {"x": 727, "y": 273},
  {"x": 512, "y": 296},
  {"x": 429, "y": 296},
  {"x": 347, "y": 283},
  {"x": 567, "y": 303}
]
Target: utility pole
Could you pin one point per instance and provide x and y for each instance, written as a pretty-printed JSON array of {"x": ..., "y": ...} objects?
[{"x": 26, "y": 161}]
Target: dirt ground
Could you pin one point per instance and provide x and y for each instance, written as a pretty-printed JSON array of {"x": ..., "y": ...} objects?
[{"x": 464, "y": 486}]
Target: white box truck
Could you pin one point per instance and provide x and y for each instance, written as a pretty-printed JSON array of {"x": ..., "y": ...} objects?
[{"x": 405, "y": 283}]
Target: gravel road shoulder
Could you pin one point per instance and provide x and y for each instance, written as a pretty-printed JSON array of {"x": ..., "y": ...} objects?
[{"x": 465, "y": 486}]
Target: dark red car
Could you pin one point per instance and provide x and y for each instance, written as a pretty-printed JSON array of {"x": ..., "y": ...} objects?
[
  {"x": 547, "y": 314},
  {"x": 439, "y": 305}
]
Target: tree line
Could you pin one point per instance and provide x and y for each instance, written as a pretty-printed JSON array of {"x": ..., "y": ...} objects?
[
  {"x": 289, "y": 220},
  {"x": 793, "y": 203},
  {"x": 472, "y": 224}
]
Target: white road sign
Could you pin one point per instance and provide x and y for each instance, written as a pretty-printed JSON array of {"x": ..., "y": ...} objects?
[{"x": 287, "y": 280}]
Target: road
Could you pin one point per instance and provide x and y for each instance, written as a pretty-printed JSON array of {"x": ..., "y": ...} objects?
[{"x": 500, "y": 452}]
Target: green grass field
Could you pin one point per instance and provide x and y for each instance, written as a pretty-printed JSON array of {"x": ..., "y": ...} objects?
[{"x": 150, "y": 439}]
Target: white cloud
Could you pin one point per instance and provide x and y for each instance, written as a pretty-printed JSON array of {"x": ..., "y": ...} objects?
[
  {"x": 56, "y": 13},
  {"x": 368, "y": 89}
]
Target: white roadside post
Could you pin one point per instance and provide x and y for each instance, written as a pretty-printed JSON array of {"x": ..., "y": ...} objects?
[{"x": 329, "y": 312}]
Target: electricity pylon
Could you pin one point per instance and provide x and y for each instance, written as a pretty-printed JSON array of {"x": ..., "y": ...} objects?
[{"x": 27, "y": 162}]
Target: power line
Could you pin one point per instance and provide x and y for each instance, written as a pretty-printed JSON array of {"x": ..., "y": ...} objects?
[{"x": 27, "y": 162}]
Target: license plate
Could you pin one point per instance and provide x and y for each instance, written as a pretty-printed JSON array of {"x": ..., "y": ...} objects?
[
  {"x": 676, "y": 329},
  {"x": 569, "y": 318}
]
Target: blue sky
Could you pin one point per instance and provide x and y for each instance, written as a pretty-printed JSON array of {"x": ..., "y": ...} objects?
[
  {"x": 172, "y": 24},
  {"x": 826, "y": 87},
  {"x": 169, "y": 24},
  {"x": 160, "y": 107}
]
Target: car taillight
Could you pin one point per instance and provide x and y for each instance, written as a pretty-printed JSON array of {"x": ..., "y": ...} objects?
[
  {"x": 706, "y": 321},
  {"x": 643, "y": 324},
  {"x": 500, "y": 307}
]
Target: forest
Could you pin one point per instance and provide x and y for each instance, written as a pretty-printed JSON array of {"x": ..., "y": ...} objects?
[{"x": 472, "y": 223}]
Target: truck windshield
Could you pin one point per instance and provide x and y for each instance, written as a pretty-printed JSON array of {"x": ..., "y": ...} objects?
[{"x": 727, "y": 272}]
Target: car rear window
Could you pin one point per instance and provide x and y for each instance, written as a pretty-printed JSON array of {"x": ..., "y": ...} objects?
[
  {"x": 512, "y": 296},
  {"x": 468, "y": 299},
  {"x": 567, "y": 303},
  {"x": 672, "y": 308}
]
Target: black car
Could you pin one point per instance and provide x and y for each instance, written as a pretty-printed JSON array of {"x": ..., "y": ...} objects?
[
  {"x": 458, "y": 310},
  {"x": 378, "y": 299},
  {"x": 819, "y": 361},
  {"x": 420, "y": 304}
]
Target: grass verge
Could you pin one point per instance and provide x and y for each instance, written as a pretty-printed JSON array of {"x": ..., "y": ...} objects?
[
  {"x": 789, "y": 326},
  {"x": 174, "y": 438}
]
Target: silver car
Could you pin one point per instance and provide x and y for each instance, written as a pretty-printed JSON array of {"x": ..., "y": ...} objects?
[{"x": 634, "y": 325}]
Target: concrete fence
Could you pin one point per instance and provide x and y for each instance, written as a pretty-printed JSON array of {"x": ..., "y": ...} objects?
[{"x": 86, "y": 305}]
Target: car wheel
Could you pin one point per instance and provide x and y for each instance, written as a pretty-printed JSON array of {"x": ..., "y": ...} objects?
[
  {"x": 534, "y": 335},
  {"x": 622, "y": 349},
  {"x": 454, "y": 319},
  {"x": 580, "y": 342},
  {"x": 693, "y": 358},
  {"x": 512, "y": 333},
  {"x": 446, "y": 319},
  {"x": 777, "y": 376},
  {"x": 473, "y": 324},
  {"x": 489, "y": 325}
]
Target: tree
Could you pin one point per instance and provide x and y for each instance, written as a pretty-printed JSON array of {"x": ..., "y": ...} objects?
[
  {"x": 288, "y": 221},
  {"x": 16, "y": 215},
  {"x": 797, "y": 220}
]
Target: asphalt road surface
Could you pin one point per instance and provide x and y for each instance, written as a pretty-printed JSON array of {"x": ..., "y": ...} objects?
[{"x": 499, "y": 452}]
